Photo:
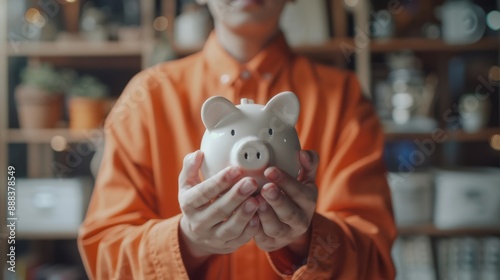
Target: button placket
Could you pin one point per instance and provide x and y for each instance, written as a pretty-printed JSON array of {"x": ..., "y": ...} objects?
[
  {"x": 267, "y": 76},
  {"x": 240, "y": 83},
  {"x": 245, "y": 75},
  {"x": 264, "y": 84},
  {"x": 227, "y": 87}
]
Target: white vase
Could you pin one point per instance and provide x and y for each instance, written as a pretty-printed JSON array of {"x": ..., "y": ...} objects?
[{"x": 474, "y": 112}]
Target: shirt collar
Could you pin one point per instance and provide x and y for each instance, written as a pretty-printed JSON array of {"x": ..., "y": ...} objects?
[{"x": 266, "y": 63}]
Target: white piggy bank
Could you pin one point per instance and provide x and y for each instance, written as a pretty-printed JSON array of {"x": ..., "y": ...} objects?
[{"x": 251, "y": 136}]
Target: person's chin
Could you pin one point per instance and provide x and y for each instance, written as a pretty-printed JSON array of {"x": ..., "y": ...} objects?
[
  {"x": 247, "y": 5},
  {"x": 246, "y": 22}
]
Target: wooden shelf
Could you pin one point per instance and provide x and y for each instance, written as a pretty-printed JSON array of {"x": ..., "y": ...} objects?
[
  {"x": 432, "y": 45},
  {"x": 482, "y": 135},
  {"x": 47, "y": 236},
  {"x": 337, "y": 45},
  {"x": 433, "y": 231},
  {"x": 43, "y": 136},
  {"x": 87, "y": 49},
  {"x": 329, "y": 47},
  {"x": 459, "y": 135},
  {"x": 77, "y": 48}
]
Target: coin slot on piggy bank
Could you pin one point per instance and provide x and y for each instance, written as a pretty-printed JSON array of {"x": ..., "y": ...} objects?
[{"x": 252, "y": 136}]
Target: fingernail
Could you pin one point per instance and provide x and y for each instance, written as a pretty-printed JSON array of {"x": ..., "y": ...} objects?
[
  {"x": 254, "y": 222},
  {"x": 263, "y": 206},
  {"x": 249, "y": 207},
  {"x": 274, "y": 175},
  {"x": 306, "y": 156},
  {"x": 233, "y": 173},
  {"x": 247, "y": 187},
  {"x": 272, "y": 194}
]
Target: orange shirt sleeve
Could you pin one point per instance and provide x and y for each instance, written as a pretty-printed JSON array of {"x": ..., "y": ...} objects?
[
  {"x": 123, "y": 236},
  {"x": 353, "y": 227}
]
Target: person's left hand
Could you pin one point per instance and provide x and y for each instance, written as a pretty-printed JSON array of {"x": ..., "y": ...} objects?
[{"x": 286, "y": 207}]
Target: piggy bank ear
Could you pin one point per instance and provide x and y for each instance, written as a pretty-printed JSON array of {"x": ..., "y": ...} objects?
[
  {"x": 215, "y": 109},
  {"x": 285, "y": 106}
]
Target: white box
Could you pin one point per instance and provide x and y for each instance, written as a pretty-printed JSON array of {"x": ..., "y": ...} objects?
[
  {"x": 412, "y": 197},
  {"x": 51, "y": 206},
  {"x": 467, "y": 199}
]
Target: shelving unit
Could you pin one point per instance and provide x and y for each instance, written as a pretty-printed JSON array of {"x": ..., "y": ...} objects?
[{"x": 79, "y": 54}]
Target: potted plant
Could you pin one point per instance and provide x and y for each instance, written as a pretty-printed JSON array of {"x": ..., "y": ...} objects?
[
  {"x": 39, "y": 97},
  {"x": 89, "y": 103}
]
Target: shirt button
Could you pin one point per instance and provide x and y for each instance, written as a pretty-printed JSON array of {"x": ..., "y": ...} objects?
[
  {"x": 245, "y": 75},
  {"x": 267, "y": 76},
  {"x": 225, "y": 78}
]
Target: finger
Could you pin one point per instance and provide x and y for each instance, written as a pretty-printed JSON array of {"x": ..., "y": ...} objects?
[
  {"x": 248, "y": 233},
  {"x": 286, "y": 211},
  {"x": 223, "y": 207},
  {"x": 211, "y": 188},
  {"x": 263, "y": 241},
  {"x": 270, "y": 223},
  {"x": 236, "y": 223},
  {"x": 189, "y": 175},
  {"x": 294, "y": 189},
  {"x": 309, "y": 161}
]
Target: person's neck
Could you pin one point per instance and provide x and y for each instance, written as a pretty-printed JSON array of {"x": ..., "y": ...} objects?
[{"x": 243, "y": 47}]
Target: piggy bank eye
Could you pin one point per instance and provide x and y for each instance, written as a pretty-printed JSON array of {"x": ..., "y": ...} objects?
[
  {"x": 233, "y": 132},
  {"x": 271, "y": 131}
]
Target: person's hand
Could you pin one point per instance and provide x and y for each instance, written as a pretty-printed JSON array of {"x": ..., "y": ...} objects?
[
  {"x": 286, "y": 207},
  {"x": 218, "y": 214}
]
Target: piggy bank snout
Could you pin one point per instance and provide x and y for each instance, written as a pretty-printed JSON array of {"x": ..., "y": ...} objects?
[{"x": 251, "y": 154}]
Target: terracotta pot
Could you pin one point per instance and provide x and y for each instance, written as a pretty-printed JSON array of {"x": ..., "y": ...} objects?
[
  {"x": 37, "y": 108},
  {"x": 71, "y": 12},
  {"x": 87, "y": 113}
]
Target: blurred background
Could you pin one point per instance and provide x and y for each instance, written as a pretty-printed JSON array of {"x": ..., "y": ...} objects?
[{"x": 431, "y": 68}]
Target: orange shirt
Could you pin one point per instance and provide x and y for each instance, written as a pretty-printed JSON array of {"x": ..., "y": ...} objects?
[{"x": 131, "y": 228}]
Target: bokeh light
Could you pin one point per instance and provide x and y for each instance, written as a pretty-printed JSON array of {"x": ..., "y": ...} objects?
[
  {"x": 160, "y": 24},
  {"x": 494, "y": 73},
  {"x": 351, "y": 3},
  {"x": 34, "y": 17},
  {"x": 493, "y": 20},
  {"x": 495, "y": 142},
  {"x": 58, "y": 143}
]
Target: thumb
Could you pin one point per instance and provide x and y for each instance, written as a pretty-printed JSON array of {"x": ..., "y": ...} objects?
[
  {"x": 309, "y": 161},
  {"x": 189, "y": 175}
]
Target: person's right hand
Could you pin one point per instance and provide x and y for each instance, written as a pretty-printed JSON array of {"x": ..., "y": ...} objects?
[{"x": 218, "y": 213}]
